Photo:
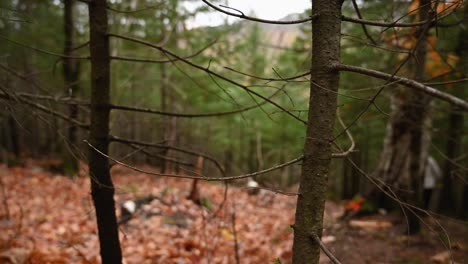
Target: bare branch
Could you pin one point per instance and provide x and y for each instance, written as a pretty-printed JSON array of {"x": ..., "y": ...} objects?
[
  {"x": 356, "y": 39},
  {"x": 73, "y": 101},
  {"x": 325, "y": 249},
  {"x": 12, "y": 96},
  {"x": 207, "y": 70},
  {"x": 393, "y": 24},
  {"x": 62, "y": 100},
  {"x": 228, "y": 178},
  {"x": 287, "y": 79},
  {"x": 170, "y": 159},
  {"x": 353, "y": 144},
  {"x": 44, "y": 51},
  {"x": 163, "y": 146},
  {"x": 182, "y": 115},
  {"x": 145, "y": 60},
  {"x": 241, "y": 14},
  {"x": 364, "y": 29},
  {"x": 447, "y": 82},
  {"x": 406, "y": 82}
]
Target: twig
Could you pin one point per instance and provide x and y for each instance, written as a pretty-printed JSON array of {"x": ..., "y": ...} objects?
[
  {"x": 358, "y": 12},
  {"x": 42, "y": 108},
  {"x": 207, "y": 70},
  {"x": 353, "y": 144},
  {"x": 145, "y": 60},
  {"x": 270, "y": 79},
  {"x": 163, "y": 146},
  {"x": 170, "y": 159},
  {"x": 228, "y": 178},
  {"x": 184, "y": 115},
  {"x": 406, "y": 82},
  {"x": 447, "y": 82},
  {"x": 393, "y": 24},
  {"x": 44, "y": 51},
  {"x": 324, "y": 249},
  {"x": 241, "y": 14}
]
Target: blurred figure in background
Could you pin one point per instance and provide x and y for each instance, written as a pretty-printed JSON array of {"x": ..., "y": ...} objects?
[{"x": 431, "y": 176}]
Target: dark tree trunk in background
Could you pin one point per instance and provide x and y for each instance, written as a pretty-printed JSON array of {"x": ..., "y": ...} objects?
[
  {"x": 452, "y": 173},
  {"x": 102, "y": 188},
  {"x": 169, "y": 122},
  {"x": 252, "y": 157},
  {"x": 422, "y": 122},
  {"x": 13, "y": 131},
  {"x": 405, "y": 150},
  {"x": 351, "y": 178},
  {"x": 70, "y": 74},
  {"x": 453, "y": 147},
  {"x": 317, "y": 148}
]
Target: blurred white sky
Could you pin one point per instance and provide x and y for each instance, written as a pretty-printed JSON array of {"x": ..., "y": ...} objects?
[{"x": 266, "y": 9}]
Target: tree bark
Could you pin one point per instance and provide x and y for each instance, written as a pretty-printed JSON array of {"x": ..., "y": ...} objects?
[
  {"x": 102, "y": 188},
  {"x": 317, "y": 148}
]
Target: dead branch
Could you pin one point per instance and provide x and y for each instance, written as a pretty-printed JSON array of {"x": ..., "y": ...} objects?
[
  {"x": 241, "y": 14},
  {"x": 227, "y": 178},
  {"x": 406, "y": 82},
  {"x": 164, "y": 146},
  {"x": 432, "y": 22},
  {"x": 353, "y": 144},
  {"x": 210, "y": 72},
  {"x": 45, "y": 51},
  {"x": 144, "y": 60},
  {"x": 325, "y": 249},
  {"x": 12, "y": 96}
]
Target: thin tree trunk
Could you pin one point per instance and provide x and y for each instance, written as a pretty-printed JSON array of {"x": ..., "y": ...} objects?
[
  {"x": 14, "y": 137},
  {"x": 322, "y": 112},
  {"x": 70, "y": 74},
  {"x": 102, "y": 188},
  {"x": 169, "y": 123}
]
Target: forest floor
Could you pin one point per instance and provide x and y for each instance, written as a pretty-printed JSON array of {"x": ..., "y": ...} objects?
[{"x": 49, "y": 218}]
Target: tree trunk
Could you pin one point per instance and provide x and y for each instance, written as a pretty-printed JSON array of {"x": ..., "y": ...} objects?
[
  {"x": 102, "y": 188},
  {"x": 70, "y": 74},
  {"x": 455, "y": 140},
  {"x": 14, "y": 136},
  {"x": 405, "y": 151},
  {"x": 453, "y": 147},
  {"x": 422, "y": 123},
  {"x": 169, "y": 123},
  {"x": 317, "y": 148}
]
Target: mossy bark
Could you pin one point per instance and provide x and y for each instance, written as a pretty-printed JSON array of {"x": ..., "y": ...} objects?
[
  {"x": 102, "y": 188},
  {"x": 322, "y": 112}
]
